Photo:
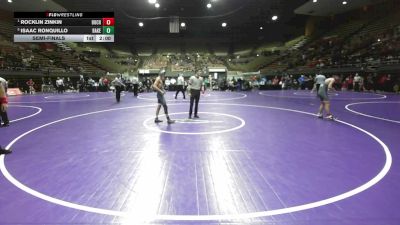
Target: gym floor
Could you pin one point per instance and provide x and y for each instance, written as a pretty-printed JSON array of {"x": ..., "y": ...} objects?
[{"x": 259, "y": 157}]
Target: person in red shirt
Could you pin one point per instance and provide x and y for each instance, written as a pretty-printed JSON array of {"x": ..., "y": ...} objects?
[
  {"x": 3, "y": 105},
  {"x": 106, "y": 83},
  {"x": 381, "y": 82},
  {"x": 30, "y": 84},
  {"x": 345, "y": 84},
  {"x": 3, "y": 112},
  {"x": 350, "y": 83}
]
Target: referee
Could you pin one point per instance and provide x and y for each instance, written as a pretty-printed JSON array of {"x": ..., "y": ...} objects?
[
  {"x": 119, "y": 86},
  {"x": 195, "y": 86}
]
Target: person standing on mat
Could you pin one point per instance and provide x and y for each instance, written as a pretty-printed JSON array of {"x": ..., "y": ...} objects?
[
  {"x": 196, "y": 85},
  {"x": 180, "y": 87},
  {"x": 5, "y": 85},
  {"x": 3, "y": 104},
  {"x": 3, "y": 112},
  {"x": 158, "y": 86},
  {"x": 135, "y": 83},
  {"x": 119, "y": 86},
  {"x": 322, "y": 85}
]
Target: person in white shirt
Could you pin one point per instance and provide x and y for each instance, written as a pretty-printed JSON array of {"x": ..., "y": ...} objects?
[
  {"x": 179, "y": 86},
  {"x": 173, "y": 81},
  {"x": 196, "y": 85},
  {"x": 60, "y": 85},
  {"x": 119, "y": 86},
  {"x": 167, "y": 83},
  {"x": 357, "y": 82}
]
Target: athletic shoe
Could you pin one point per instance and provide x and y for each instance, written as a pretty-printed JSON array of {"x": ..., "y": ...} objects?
[
  {"x": 330, "y": 117},
  {"x": 5, "y": 125},
  {"x": 196, "y": 116},
  {"x": 4, "y": 151},
  {"x": 157, "y": 120},
  {"x": 170, "y": 121},
  {"x": 319, "y": 115},
  {"x": 190, "y": 116}
]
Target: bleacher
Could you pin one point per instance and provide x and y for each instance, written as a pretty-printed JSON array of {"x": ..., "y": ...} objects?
[
  {"x": 6, "y": 28},
  {"x": 373, "y": 30},
  {"x": 347, "y": 29},
  {"x": 155, "y": 62}
]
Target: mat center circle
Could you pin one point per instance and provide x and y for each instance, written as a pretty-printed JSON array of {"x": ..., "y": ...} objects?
[{"x": 208, "y": 123}]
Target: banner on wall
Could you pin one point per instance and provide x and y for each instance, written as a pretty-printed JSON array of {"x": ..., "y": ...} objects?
[{"x": 13, "y": 91}]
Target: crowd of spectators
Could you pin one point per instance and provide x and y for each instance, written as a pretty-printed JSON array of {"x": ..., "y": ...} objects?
[
  {"x": 369, "y": 82},
  {"x": 364, "y": 51},
  {"x": 155, "y": 62},
  {"x": 188, "y": 62}
]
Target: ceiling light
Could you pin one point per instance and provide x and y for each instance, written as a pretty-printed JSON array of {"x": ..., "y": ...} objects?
[
  {"x": 9, "y": 1},
  {"x": 152, "y": 1},
  {"x": 261, "y": 28},
  {"x": 274, "y": 17},
  {"x": 223, "y": 24},
  {"x": 315, "y": 1},
  {"x": 209, "y": 5},
  {"x": 344, "y": 3},
  {"x": 157, "y": 5},
  {"x": 183, "y": 24},
  {"x": 141, "y": 24}
]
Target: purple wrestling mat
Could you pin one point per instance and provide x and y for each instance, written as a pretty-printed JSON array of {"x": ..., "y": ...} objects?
[{"x": 259, "y": 157}]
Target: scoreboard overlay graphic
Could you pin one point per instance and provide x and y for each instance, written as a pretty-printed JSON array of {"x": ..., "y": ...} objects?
[{"x": 64, "y": 26}]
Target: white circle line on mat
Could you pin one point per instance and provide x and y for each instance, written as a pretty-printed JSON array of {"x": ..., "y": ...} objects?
[
  {"x": 220, "y": 217},
  {"x": 26, "y": 117},
  {"x": 153, "y": 98},
  {"x": 311, "y": 97},
  {"x": 242, "y": 123},
  {"x": 370, "y": 116}
]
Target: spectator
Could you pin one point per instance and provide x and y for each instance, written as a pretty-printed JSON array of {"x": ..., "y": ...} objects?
[{"x": 30, "y": 84}]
